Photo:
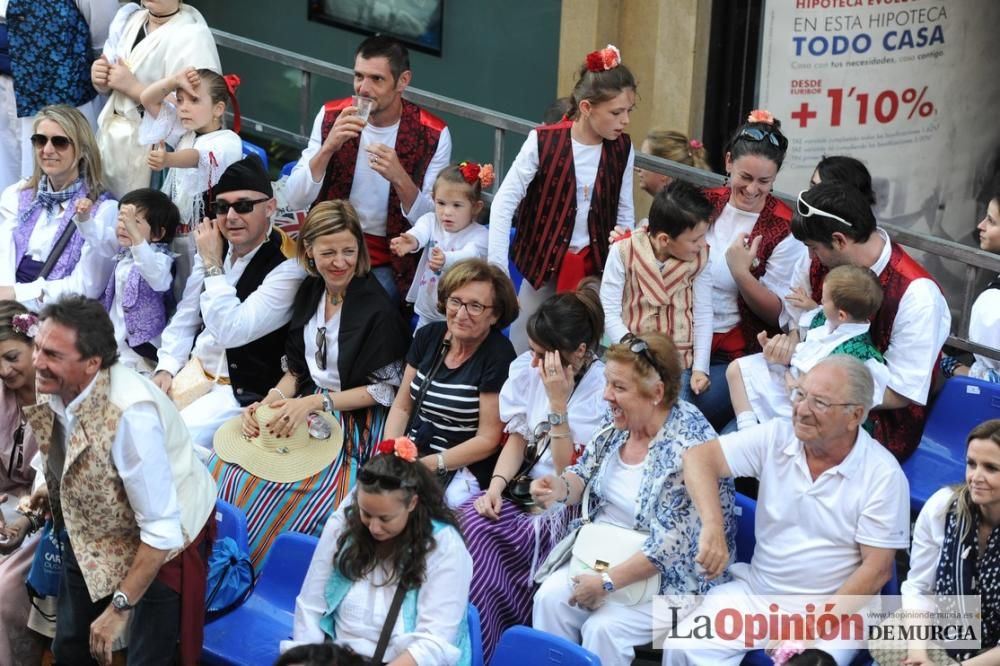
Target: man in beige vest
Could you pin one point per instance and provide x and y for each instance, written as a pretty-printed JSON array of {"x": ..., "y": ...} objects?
[{"x": 122, "y": 476}]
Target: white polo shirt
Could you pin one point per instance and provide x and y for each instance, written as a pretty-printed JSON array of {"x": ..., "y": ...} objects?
[{"x": 808, "y": 532}]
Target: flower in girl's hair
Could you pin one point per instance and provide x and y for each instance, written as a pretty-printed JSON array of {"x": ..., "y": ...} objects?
[
  {"x": 607, "y": 58},
  {"x": 401, "y": 447},
  {"x": 470, "y": 172},
  {"x": 787, "y": 650},
  {"x": 760, "y": 116},
  {"x": 25, "y": 324},
  {"x": 486, "y": 175}
]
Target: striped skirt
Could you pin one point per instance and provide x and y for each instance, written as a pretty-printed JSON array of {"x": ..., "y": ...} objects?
[
  {"x": 505, "y": 554},
  {"x": 301, "y": 506}
]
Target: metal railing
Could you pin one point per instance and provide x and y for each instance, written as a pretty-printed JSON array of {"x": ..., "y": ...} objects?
[{"x": 975, "y": 260}]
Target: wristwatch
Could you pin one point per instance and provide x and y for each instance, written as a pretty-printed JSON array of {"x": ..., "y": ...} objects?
[
  {"x": 556, "y": 418},
  {"x": 442, "y": 469},
  {"x": 607, "y": 583},
  {"x": 120, "y": 601},
  {"x": 213, "y": 271},
  {"x": 327, "y": 402}
]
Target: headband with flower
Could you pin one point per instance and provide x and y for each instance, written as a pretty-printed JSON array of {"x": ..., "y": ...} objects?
[
  {"x": 232, "y": 82},
  {"x": 471, "y": 172},
  {"x": 760, "y": 116},
  {"x": 401, "y": 447},
  {"x": 607, "y": 58},
  {"x": 26, "y": 324}
]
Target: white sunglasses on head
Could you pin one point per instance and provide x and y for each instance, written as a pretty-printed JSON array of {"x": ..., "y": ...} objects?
[{"x": 806, "y": 209}]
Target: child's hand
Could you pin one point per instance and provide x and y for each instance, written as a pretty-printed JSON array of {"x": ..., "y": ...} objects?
[
  {"x": 157, "y": 159},
  {"x": 99, "y": 71},
  {"x": 402, "y": 245},
  {"x": 801, "y": 299},
  {"x": 121, "y": 78},
  {"x": 83, "y": 208},
  {"x": 126, "y": 217},
  {"x": 700, "y": 382},
  {"x": 436, "y": 261},
  {"x": 187, "y": 80}
]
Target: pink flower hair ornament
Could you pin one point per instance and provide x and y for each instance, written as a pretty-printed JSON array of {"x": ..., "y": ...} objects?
[
  {"x": 760, "y": 116},
  {"x": 401, "y": 447},
  {"x": 785, "y": 652},
  {"x": 695, "y": 144},
  {"x": 26, "y": 324},
  {"x": 471, "y": 172},
  {"x": 607, "y": 58}
]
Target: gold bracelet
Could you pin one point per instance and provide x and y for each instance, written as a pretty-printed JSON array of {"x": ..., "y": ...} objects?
[{"x": 560, "y": 435}]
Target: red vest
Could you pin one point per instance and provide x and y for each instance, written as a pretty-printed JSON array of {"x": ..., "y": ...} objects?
[
  {"x": 774, "y": 224},
  {"x": 899, "y": 430},
  {"x": 416, "y": 142},
  {"x": 545, "y": 217}
]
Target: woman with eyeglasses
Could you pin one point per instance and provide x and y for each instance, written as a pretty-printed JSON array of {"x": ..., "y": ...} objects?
[
  {"x": 449, "y": 400},
  {"x": 752, "y": 253},
  {"x": 394, "y": 541},
  {"x": 344, "y": 354},
  {"x": 42, "y": 253},
  {"x": 634, "y": 470},
  {"x": 18, "y": 326},
  {"x": 552, "y": 404}
]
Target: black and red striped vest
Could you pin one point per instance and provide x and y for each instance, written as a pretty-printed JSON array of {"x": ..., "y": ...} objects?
[
  {"x": 899, "y": 430},
  {"x": 545, "y": 217},
  {"x": 416, "y": 143},
  {"x": 774, "y": 224}
]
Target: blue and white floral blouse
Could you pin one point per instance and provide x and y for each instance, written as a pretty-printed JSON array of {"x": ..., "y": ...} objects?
[{"x": 664, "y": 508}]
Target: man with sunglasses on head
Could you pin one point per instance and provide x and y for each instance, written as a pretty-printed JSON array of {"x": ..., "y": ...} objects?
[
  {"x": 835, "y": 221},
  {"x": 234, "y": 314}
]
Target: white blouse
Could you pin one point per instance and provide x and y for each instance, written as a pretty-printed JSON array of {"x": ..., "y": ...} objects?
[
  {"x": 928, "y": 539},
  {"x": 442, "y": 601}
]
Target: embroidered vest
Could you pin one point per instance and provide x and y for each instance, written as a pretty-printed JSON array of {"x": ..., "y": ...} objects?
[
  {"x": 416, "y": 143},
  {"x": 91, "y": 496},
  {"x": 256, "y": 366},
  {"x": 659, "y": 300},
  {"x": 338, "y": 586},
  {"x": 545, "y": 217},
  {"x": 774, "y": 224},
  {"x": 50, "y": 53},
  {"x": 145, "y": 309},
  {"x": 899, "y": 430}
]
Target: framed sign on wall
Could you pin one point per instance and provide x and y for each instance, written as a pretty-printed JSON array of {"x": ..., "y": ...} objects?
[{"x": 418, "y": 23}]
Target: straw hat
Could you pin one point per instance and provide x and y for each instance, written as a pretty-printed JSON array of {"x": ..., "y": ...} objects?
[{"x": 279, "y": 459}]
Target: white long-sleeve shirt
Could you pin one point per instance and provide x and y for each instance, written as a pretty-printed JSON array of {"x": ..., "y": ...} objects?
[
  {"x": 515, "y": 184},
  {"x": 984, "y": 329},
  {"x": 442, "y": 601},
  {"x": 369, "y": 190},
  {"x": 91, "y": 273},
  {"x": 613, "y": 290},
  {"x": 228, "y": 322}
]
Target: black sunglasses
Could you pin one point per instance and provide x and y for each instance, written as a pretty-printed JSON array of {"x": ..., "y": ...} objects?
[
  {"x": 369, "y": 478},
  {"x": 17, "y": 453},
  {"x": 58, "y": 142},
  {"x": 640, "y": 348},
  {"x": 757, "y": 135},
  {"x": 244, "y": 206},
  {"x": 321, "y": 347}
]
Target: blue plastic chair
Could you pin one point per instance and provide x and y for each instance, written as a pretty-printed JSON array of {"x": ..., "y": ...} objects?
[
  {"x": 230, "y": 522},
  {"x": 287, "y": 169},
  {"x": 962, "y": 404},
  {"x": 475, "y": 636},
  {"x": 746, "y": 540},
  {"x": 250, "y": 635},
  {"x": 523, "y": 646},
  {"x": 256, "y": 150}
]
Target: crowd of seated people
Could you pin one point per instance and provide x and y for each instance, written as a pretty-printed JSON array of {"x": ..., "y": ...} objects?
[{"x": 493, "y": 450}]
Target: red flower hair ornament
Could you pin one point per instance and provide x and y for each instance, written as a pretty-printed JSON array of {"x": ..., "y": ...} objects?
[
  {"x": 401, "y": 447},
  {"x": 232, "y": 83},
  {"x": 471, "y": 172},
  {"x": 607, "y": 58}
]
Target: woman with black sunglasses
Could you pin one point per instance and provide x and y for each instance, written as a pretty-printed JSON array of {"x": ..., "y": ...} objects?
[
  {"x": 18, "y": 326},
  {"x": 752, "y": 253},
  {"x": 42, "y": 253},
  {"x": 390, "y": 576},
  {"x": 344, "y": 354}
]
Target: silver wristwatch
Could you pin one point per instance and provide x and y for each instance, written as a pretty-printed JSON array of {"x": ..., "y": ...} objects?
[
  {"x": 327, "y": 402},
  {"x": 557, "y": 418},
  {"x": 120, "y": 601},
  {"x": 213, "y": 271}
]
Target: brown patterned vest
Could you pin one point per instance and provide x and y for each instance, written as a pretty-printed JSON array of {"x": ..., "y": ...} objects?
[
  {"x": 545, "y": 217},
  {"x": 774, "y": 224},
  {"x": 416, "y": 143},
  {"x": 899, "y": 430}
]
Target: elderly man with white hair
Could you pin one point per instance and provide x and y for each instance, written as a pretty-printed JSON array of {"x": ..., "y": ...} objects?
[{"x": 832, "y": 509}]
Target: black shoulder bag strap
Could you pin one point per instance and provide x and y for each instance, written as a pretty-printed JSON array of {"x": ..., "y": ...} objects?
[
  {"x": 57, "y": 250},
  {"x": 390, "y": 622},
  {"x": 435, "y": 366}
]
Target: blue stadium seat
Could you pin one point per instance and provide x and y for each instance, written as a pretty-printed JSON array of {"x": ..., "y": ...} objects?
[
  {"x": 746, "y": 509},
  {"x": 287, "y": 169},
  {"x": 256, "y": 150},
  {"x": 475, "y": 636},
  {"x": 940, "y": 459},
  {"x": 250, "y": 635},
  {"x": 522, "y": 646},
  {"x": 231, "y": 522}
]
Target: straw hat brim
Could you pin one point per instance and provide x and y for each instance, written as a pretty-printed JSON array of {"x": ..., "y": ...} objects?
[{"x": 305, "y": 456}]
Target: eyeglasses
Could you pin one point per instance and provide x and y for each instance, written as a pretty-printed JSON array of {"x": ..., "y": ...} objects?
[
  {"x": 641, "y": 349},
  {"x": 757, "y": 135},
  {"x": 369, "y": 478},
  {"x": 474, "y": 308},
  {"x": 321, "y": 347},
  {"x": 817, "y": 405},
  {"x": 244, "y": 206},
  {"x": 806, "y": 209},
  {"x": 17, "y": 453},
  {"x": 58, "y": 142}
]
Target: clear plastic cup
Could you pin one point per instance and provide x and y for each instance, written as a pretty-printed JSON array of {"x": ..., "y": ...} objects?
[{"x": 364, "y": 105}]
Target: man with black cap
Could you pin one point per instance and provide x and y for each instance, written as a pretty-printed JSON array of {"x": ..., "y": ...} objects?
[{"x": 233, "y": 316}]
